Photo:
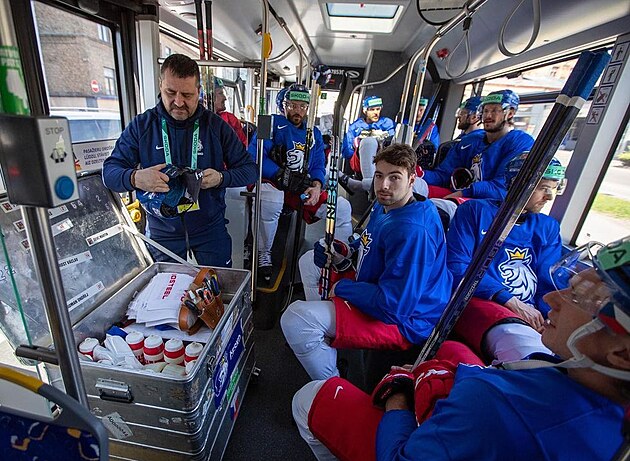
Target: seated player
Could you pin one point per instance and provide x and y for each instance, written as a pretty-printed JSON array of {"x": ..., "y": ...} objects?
[
  {"x": 401, "y": 285},
  {"x": 284, "y": 181},
  {"x": 518, "y": 277},
  {"x": 474, "y": 168},
  {"x": 364, "y": 138},
  {"x": 527, "y": 410}
]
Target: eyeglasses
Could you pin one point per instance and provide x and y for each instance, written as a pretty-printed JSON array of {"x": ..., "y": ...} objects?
[
  {"x": 297, "y": 106},
  {"x": 492, "y": 111}
]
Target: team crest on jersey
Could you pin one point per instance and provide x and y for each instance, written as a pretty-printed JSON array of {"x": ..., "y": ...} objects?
[
  {"x": 366, "y": 241},
  {"x": 199, "y": 148},
  {"x": 518, "y": 275},
  {"x": 476, "y": 168},
  {"x": 295, "y": 156}
]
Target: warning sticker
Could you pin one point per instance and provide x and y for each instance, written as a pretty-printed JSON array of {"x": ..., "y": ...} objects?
[
  {"x": 54, "y": 212},
  {"x": 19, "y": 225},
  {"x": 116, "y": 426},
  {"x": 76, "y": 259},
  {"x": 8, "y": 207},
  {"x": 84, "y": 296},
  {"x": 104, "y": 235},
  {"x": 61, "y": 227}
]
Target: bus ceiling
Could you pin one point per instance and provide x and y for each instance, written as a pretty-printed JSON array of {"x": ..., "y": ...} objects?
[{"x": 565, "y": 28}]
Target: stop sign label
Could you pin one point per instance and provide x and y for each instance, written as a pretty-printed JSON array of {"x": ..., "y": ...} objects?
[{"x": 94, "y": 85}]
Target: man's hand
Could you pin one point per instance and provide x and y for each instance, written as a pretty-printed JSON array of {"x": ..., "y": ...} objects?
[
  {"x": 151, "y": 179},
  {"x": 397, "y": 402},
  {"x": 526, "y": 311},
  {"x": 313, "y": 194},
  {"x": 211, "y": 178},
  {"x": 454, "y": 194}
]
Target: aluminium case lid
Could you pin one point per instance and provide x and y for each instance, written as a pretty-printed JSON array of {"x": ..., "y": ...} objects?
[{"x": 96, "y": 258}]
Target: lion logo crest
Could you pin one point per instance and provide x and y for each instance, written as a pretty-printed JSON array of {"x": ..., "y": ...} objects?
[{"x": 518, "y": 275}]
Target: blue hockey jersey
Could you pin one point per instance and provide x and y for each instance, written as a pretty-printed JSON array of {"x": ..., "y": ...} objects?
[
  {"x": 401, "y": 276},
  {"x": 487, "y": 161},
  {"x": 359, "y": 125},
  {"x": 521, "y": 415},
  {"x": 293, "y": 138},
  {"x": 140, "y": 145},
  {"x": 520, "y": 268}
]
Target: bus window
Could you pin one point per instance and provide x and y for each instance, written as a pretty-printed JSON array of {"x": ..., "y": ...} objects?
[
  {"x": 79, "y": 64},
  {"x": 609, "y": 216}
]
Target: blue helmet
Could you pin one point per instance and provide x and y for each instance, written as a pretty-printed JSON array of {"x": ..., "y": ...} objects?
[
  {"x": 507, "y": 99},
  {"x": 280, "y": 100},
  {"x": 298, "y": 92},
  {"x": 218, "y": 83},
  {"x": 372, "y": 101},
  {"x": 471, "y": 104},
  {"x": 555, "y": 170}
]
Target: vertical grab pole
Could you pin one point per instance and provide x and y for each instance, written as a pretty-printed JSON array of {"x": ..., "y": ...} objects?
[
  {"x": 265, "y": 52},
  {"x": 568, "y": 104},
  {"x": 15, "y": 100},
  {"x": 208, "y": 5}
]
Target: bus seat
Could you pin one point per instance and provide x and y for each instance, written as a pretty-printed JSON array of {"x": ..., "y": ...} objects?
[{"x": 72, "y": 433}]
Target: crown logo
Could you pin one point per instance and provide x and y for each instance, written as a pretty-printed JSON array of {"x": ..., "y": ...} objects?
[
  {"x": 517, "y": 254},
  {"x": 299, "y": 145}
]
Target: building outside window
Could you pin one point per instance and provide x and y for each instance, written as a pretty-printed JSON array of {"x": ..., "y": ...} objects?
[{"x": 109, "y": 86}]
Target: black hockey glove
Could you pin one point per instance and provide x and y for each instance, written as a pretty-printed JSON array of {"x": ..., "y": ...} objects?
[
  {"x": 278, "y": 154},
  {"x": 292, "y": 181},
  {"x": 425, "y": 155},
  {"x": 461, "y": 178}
]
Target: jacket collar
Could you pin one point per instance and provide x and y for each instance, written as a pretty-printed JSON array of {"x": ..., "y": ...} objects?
[{"x": 189, "y": 122}]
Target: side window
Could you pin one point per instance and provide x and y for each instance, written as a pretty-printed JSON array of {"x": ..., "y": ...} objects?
[
  {"x": 609, "y": 216},
  {"x": 80, "y": 69}
]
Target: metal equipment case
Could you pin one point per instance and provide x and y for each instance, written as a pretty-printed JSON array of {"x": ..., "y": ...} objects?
[{"x": 150, "y": 416}]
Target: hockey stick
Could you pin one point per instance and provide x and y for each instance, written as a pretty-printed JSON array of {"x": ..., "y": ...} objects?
[
  {"x": 574, "y": 94},
  {"x": 331, "y": 215},
  {"x": 312, "y": 112}
]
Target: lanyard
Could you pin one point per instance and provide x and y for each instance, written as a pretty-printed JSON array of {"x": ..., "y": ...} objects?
[{"x": 167, "y": 146}]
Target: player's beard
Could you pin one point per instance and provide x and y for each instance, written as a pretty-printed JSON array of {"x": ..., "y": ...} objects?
[
  {"x": 494, "y": 129},
  {"x": 463, "y": 125},
  {"x": 296, "y": 119}
]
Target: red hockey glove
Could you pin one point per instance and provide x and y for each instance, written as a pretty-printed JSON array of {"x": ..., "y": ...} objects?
[
  {"x": 434, "y": 380},
  {"x": 396, "y": 381}
]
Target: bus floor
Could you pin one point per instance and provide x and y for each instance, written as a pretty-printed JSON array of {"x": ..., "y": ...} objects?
[{"x": 265, "y": 429}]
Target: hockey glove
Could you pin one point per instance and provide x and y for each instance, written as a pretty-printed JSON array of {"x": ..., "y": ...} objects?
[
  {"x": 425, "y": 155},
  {"x": 292, "y": 181},
  {"x": 434, "y": 381},
  {"x": 339, "y": 259},
  {"x": 461, "y": 178},
  {"x": 397, "y": 381}
]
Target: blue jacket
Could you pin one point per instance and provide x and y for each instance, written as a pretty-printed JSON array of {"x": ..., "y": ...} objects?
[
  {"x": 140, "y": 146},
  {"x": 520, "y": 268},
  {"x": 293, "y": 138},
  {"x": 521, "y": 415},
  {"x": 401, "y": 276},
  {"x": 359, "y": 125},
  {"x": 486, "y": 161},
  {"x": 433, "y": 135}
]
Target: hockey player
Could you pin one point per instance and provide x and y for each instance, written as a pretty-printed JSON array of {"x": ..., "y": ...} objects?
[
  {"x": 283, "y": 180},
  {"x": 427, "y": 131},
  {"x": 528, "y": 410},
  {"x": 518, "y": 276},
  {"x": 180, "y": 132},
  {"x": 475, "y": 167},
  {"x": 468, "y": 119},
  {"x": 228, "y": 117},
  {"x": 363, "y": 139},
  {"x": 400, "y": 288}
]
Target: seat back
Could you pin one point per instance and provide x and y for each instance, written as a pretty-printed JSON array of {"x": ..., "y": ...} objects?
[{"x": 72, "y": 433}]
